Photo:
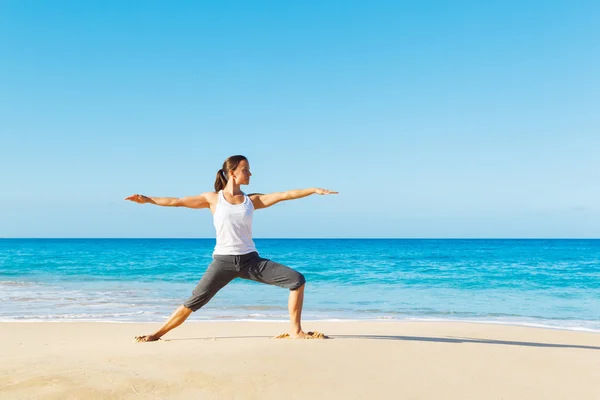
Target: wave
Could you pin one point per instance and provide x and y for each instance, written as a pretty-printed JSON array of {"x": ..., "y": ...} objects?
[
  {"x": 154, "y": 317},
  {"x": 17, "y": 283}
]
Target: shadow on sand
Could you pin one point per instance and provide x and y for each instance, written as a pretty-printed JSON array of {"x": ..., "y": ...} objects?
[
  {"x": 466, "y": 340},
  {"x": 453, "y": 340}
]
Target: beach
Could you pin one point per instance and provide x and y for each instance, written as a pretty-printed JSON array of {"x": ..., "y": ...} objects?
[
  {"x": 241, "y": 360},
  {"x": 408, "y": 319}
]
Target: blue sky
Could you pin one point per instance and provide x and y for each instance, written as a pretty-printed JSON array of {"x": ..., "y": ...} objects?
[{"x": 432, "y": 119}]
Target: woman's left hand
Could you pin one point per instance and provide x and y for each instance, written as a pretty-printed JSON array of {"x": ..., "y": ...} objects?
[{"x": 324, "y": 191}]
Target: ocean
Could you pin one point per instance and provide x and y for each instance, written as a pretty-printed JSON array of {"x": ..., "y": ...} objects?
[{"x": 545, "y": 283}]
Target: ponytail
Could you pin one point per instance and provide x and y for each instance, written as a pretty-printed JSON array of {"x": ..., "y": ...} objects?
[
  {"x": 221, "y": 181},
  {"x": 230, "y": 164}
]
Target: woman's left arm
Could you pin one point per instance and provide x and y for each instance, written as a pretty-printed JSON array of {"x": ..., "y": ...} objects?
[{"x": 267, "y": 200}]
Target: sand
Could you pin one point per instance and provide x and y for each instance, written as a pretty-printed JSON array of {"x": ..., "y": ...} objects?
[{"x": 240, "y": 360}]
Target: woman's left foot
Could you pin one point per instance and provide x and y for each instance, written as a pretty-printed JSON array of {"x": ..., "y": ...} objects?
[{"x": 303, "y": 335}]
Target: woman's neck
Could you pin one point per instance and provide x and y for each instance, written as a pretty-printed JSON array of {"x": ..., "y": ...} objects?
[{"x": 232, "y": 189}]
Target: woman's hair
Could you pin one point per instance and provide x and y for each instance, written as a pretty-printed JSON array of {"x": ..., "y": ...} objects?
[{"x": 223, "y": 174}]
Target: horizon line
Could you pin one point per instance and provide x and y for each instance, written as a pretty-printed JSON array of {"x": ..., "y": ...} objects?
[{"x": 304, "y": 238}]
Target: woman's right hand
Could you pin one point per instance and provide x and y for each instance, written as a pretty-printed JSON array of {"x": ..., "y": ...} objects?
[{"x": 139, "y": 198}]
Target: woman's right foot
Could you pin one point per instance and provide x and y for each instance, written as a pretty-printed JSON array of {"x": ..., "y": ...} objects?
[{"x": 146, "y": 338}]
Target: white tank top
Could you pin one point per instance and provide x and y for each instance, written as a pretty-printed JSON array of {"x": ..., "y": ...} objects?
[{"x": 233, "y": 223}]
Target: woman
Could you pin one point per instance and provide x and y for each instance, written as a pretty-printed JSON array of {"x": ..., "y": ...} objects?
[{"x": 235, "y": 254}]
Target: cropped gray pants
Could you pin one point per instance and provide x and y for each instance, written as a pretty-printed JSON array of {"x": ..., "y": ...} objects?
[{"x": 223, "y": 269}]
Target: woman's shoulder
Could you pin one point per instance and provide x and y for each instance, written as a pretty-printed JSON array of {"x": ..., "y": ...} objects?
[{"x": 211, "y": 197}]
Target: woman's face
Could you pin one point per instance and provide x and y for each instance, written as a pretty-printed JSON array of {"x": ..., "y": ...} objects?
[{"x": 242, "y": 173}]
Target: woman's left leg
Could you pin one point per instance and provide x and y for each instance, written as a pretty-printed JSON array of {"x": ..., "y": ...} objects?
[
  {"x": 295, "y": 302},
  {"x": 272, "y": 273}
]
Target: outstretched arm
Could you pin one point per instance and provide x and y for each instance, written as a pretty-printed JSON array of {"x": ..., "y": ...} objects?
[
  {"x": 266, "y": 200},
  {"x": 201, "y": 201}
]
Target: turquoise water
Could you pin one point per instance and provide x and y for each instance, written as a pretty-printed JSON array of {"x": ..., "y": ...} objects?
[{"x": 553, "y": 283}]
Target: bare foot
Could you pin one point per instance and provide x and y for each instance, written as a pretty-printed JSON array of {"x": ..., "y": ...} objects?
[
  {"x": 302, "y": 335},
  {"x": 146, "y": 338}
]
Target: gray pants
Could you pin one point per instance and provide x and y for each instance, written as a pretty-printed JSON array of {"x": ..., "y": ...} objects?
[{"x": 250, "y": 266}]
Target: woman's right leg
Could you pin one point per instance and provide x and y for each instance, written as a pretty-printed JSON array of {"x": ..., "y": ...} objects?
[
  {"x": 174, "y": 321},
  {"x": 217, "y": 275}
]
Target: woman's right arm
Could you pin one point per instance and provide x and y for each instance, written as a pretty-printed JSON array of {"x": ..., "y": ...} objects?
[{"x": 203, "y": 200}]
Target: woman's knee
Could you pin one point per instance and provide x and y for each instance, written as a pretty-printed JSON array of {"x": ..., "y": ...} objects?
[
  {"x": 299, "y": 281},
  {"x": 195, "y": 303}
]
